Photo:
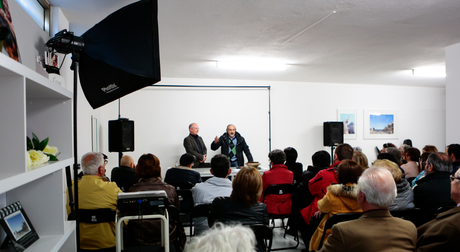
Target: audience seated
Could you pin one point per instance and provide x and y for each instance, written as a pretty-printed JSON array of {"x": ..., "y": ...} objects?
[
  {"x": 340, "y": 198},
  {"x": 385, "y": 146},
  {"x": 183, "y": 172},
  {"x": 441, "y": 233},
  {"x": 360, "y": 158},
  {"x": 217, "y": 186},
  {"x": 124, "y": 175},
  {"x": 291, "y": 162},
  {"x": 148, "y": 232},
  {"x": 405, "y": 197},
  {"x": 390, "y": 157},
  {"x": 412, "y": 156},
  {"x": 243, "y": 205},
  {"x": 318, "y": 187},
  {"x": 223, "y": 238},
  {"x": 302, "y": 197},
  {"x": 453, "y": 151},
  {"x": 403, "y": 149},
  {"x": 95, "y": 193},
  {"x": 376, "y": 230},
  {"x": 395, "y": 153},
  {"x": 278, "y": 174},
  {"x": 433, "y": 191}
]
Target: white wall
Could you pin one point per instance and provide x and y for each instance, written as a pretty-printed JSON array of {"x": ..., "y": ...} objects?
[
  {"x": 452, "y": 92},
  {"x": 298, "y": 111}
]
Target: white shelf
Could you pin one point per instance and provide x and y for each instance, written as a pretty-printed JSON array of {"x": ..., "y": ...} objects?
[{"x": 30, "y": 103}]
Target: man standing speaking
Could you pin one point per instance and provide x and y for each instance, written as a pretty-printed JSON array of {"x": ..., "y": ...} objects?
[{"x": 233, "y": 145}]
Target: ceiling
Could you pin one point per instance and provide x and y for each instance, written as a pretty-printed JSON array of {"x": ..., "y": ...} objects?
[{"x": 363, "y": 42}]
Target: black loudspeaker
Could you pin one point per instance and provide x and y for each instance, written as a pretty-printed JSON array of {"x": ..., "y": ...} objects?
[
  {"x": 332, "y": 133},
  {"x": 121, "y": 135}
]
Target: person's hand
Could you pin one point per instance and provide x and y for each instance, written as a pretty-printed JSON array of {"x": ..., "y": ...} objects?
[
  {"x": 216, "y": 139},
  {"x": 204, "y": 159},
  {"x": 317, "y": 214}
]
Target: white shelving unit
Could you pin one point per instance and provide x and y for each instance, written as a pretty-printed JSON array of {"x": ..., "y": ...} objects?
[{"x": 31, "y": 103}]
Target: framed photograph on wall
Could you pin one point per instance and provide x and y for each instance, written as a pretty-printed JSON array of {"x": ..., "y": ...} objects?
[
  {"x": 380, "y": 124},
  {"x": 348, "y": 117}
]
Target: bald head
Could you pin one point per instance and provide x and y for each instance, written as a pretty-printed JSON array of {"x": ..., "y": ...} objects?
[{"x": 127, "y": 161}]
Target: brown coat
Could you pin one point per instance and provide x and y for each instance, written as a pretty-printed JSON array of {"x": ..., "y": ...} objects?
[
  {"x": 148, "y": 232},
  {"x": 374, "y": 231}
]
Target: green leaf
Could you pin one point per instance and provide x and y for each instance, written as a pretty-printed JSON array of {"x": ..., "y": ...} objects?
[
  {"x": 42, "y": 145},
  {"x": 35, "y": 141},
  {"x": 52, "y": 157},
  {"x": 30, "y": 146}
]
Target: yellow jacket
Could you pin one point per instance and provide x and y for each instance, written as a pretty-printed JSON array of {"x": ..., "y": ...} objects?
[
  {"x": 94, "y": 193},
  {"x": 338, "y": 199}
]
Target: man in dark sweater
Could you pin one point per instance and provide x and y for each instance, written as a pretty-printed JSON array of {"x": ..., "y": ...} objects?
[{"x": 124, "y": 175}]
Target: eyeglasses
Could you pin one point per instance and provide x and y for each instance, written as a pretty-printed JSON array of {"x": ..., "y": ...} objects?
[
  {"x": 452, "y": 178},
  {"x": 106, "y": 161}
]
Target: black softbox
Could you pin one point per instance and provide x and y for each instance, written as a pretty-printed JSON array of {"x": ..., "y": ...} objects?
[{"x": 121, "y": 54}]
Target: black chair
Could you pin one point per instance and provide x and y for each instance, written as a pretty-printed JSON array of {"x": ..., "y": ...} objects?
[
  {"x": 281, "y": 189},
  {"x": 334, "y": 219},
  {"x": 202, "y": 210},
  {"x": 264, "y": 236},
  {"x": 95, "y": 216},
  {"x": 184, "y": 193},
  {"x": 413, "y": 215}
]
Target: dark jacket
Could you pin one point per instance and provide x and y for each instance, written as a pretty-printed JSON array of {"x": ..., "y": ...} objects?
[
  {"x": 180, "y": 174},
  {"x": 432, "y": 192},
  {"x": 226, "y": 210},
  {"x": 124, "y": 176},
  {"x": 148, "y": 232},
  {"x": 241, "y": 147},
  {"x": 191, "y": 147},
  {"x": 297, "y": 169},
  {"x": 302, "y": 196}
]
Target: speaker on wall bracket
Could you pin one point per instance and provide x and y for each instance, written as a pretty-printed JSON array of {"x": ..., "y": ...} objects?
[
  {"x": 121, "y": 135},
  {"x": 332, "y": 133}
]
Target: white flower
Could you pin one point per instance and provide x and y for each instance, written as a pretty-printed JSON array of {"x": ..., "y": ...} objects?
[
  {"x": 51, "y": 150},
  {"x": 38, "y": 157},
  {"x": 29, "y": 161}
]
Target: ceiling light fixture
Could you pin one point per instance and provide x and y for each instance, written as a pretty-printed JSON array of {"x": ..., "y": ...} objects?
[
  {"x": 251, "y": 66},
  {"x": 430, "y": 71}
]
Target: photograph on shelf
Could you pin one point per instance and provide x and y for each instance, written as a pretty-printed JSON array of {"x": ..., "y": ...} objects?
[
  {"x": 348, "y": 117},
  {"x": 7, "y": 36},
  {"x": 380, "y": 124},
  {"x": 17, "y": 226}
]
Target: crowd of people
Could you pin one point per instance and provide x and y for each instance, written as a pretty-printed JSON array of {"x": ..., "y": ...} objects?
[{"x": 399, "y": 180}]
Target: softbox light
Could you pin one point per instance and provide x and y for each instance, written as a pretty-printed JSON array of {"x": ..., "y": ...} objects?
[{"x": 121, "y": 54}]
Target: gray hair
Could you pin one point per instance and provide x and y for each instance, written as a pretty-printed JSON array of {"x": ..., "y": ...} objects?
[
  {"x": 404, "y": 147},
  {"x": 90, "y": 165},
  {"x": 440, "y": 161},
  {"x": 394, "y": 152},
  {"x": 379, "y": 187},
  {"x": 191, "y": 125},
  {"x": 223, "y": 238}
]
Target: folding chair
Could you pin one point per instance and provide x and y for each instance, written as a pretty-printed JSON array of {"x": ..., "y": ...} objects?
[
  {"x": 281, "y": 189},
  {"x": 413, "y": 215},
  {"x": 336, "y": 218},
  {"x": 184, "y": 192},
  {"x": 264, "y": 235},
  {"x": 199, "y": 211}
]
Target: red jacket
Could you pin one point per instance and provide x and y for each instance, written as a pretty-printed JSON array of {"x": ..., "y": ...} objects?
[
  {"x": 278, "y": 174},
  {"x": 318, "y": 188}
]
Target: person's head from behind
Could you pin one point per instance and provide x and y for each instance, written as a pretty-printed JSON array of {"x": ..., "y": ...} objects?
[
  {"x": 220, "y": 166},
  {"x": 277, "y": 156},
  {"x": 438, "y": 162},
  {"x": 387, "y": 156},
  {"x": 222, "y": 238},
  {"x": 412, "y": 154},
  {"x": 395, "y": 153},
  {"x": 247, "y": 186},
  {"x": 321, "y": 159},
  {"x": 148, "y": 166},
  {"x": 429, "y": 148},
  {"x": 387, "y": 145},
  {"x": 376, "y": 189},
  {"x": 291, "y": 155},
  {"x": 453, "y": 151},
  {"x": 392, "y": 167},
  {"x": 187, "y": 160},
  {"x": 349, "y": 171},
  {"x": 127, "y": 161},
  {"x": 360, "y": 158},
  {"x": 342, "y": 152},
  {"x": 92, "y": 163}
]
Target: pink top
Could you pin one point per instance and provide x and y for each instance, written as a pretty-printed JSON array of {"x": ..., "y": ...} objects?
[{"x": 411, "y": 169}]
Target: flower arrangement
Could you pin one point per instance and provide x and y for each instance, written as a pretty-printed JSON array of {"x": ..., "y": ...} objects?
[{"x": 39, "y": 152}]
